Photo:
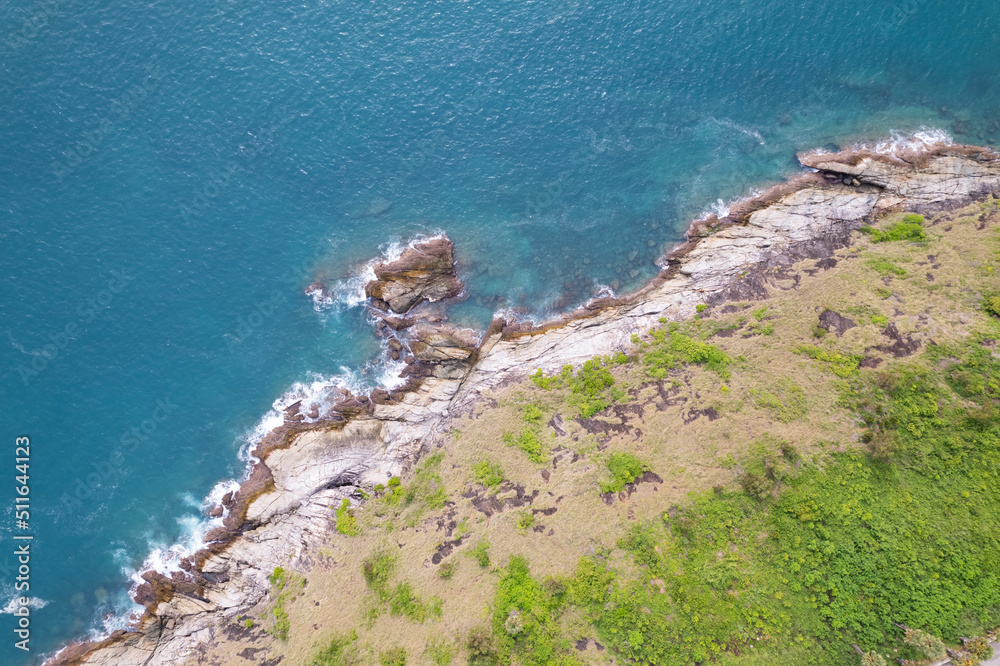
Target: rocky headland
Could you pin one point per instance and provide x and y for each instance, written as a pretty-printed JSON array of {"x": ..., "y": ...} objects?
[{"x": 281, "y": 513}]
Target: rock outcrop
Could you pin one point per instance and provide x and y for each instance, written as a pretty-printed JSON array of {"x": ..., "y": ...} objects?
[
  {"x": 424, "y": 272},
  {"x": 281, "y": 514}
]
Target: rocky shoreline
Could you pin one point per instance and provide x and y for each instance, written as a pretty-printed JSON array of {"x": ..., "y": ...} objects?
[{"x": 281, "y": 514}]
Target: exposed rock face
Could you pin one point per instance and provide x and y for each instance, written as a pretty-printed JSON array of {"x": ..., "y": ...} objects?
[
  {"x": 834, "y": 322},
  {"x": 282, "y": 515},
  {"x": 424, "y": 272}
]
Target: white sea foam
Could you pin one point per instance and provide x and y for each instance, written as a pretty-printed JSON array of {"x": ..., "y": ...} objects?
[
  {"x": 34, "y": 603},
  {"x": 900, "y": 143},
  {"x": 722, "y": 208},
  {"x": 754, "y": 134},
  {"x": 349, "y": 292}
]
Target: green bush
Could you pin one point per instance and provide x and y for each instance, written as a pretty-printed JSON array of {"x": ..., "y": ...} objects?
[
  {"x": 992, "y": 305},
  {"x": 884, "y": 266},
  {"x": 786, "y": 403},
  {"x": 439, "y": 651},
  {"x": 377, "y": 569},
  {"x": 930, "y": 646},
  {"x": 625, "y": 468},
  {"x": 284, "y": 586},
  {"x": 528, "y": 442},
  {"x": 488, "y": 473},
  {"x": 532, "y": 414},
  {"x": 910, "y": 229},
  {"x": 447, "y": 570},
  {"x": 346, "y": 522},
  {"x": 481, "y": 553},
  {"x": 839, "y": 364},
  {"x": 670, "y": 349},
  {"x": 393, "y": 657},
  {"x": 404, "y": 601},
  {"x": 525, "y": 519},
  {"x": 339, "y": 652},
  {"x": 482, "y": 651},
  {"x": 525, "y": 618}
]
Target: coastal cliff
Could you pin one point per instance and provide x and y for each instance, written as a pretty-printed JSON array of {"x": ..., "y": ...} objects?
[{"x": 281, "y": 514}]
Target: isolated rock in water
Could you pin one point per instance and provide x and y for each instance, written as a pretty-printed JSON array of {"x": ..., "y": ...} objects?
[{"x": 424, "y": 272}]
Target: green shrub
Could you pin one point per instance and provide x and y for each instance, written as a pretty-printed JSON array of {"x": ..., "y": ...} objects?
[
  {"x": 346, "y": 522},
  {"x": 819, "y": 332},
  {"x": 488, "y": 473},
  {"x": 482, "y": 651},
  {"x": 671, "y": 349},
  {"x": 377, "y": 569},
  {"x": 439, "y": 651},
  {"x": 701, "y": 307},
  {"x": 884, "y": 266},
  {"x": 532, "y": 414},
  {"x": 404, "y": 601},
  {"x": 909, "y": 229},
  {"x": 837, "y": 363},
  {"x": 340, "y": 652},
  {"x": 625, "y": 468},
  {"x": 393, "y": 657},
  {"x": 447, "y": 570},
  {"x": 992, "y": 305},
  {"x": 284, "y": 586},
  {"x": 525, "y": 519},
  {"x": 481, "y": 553},
  {"x": 880, "y": 320},
  {"x": 929, "y": 645},
  {"x": 873, "y": 658},
  {"x": 786, "y": 403},
  {"x": 525, "y": 618},
  {"x": 882, "y": 292},
  {"x": 543, "y": 382},
  {"x": 767, "y": 467},
  {"x": 528, "y": 442}
]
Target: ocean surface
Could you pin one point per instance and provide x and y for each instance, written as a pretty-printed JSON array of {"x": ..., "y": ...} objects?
[{"x": 174, "y": 175}]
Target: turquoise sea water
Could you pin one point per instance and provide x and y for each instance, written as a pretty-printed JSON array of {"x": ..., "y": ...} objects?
[{"x": 174, "y": 174}]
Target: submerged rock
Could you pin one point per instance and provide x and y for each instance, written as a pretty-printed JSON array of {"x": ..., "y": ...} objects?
[{"x": 424, "y": 272}]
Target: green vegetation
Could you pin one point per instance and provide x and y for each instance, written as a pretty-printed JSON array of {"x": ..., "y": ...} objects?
[
  {"x": 767, "y": 467},
  {"x": 482, "y": 651},
  {"x": 340, "y": 652},
  {"x": 347, "y": 524},
  {"x": 439, "y": 651},
  {"x": 701, "y": 307},
  {"x": 882, "y": 292},
  {"x": 425, "y": 491},
  {"x": 525, "y": 614},
  {"x": 928, "y": 645},
  {"x": 393, "y": 657},
  {"x": 670, "y": 349},
  {"x": 378, "y": 569},
  {"x": 839, "y": 364},
  {"x": 481, "y": 553},
  {"x": 786, "y": 402},
  {"x": 592, "y": 388},
  {"x": 760, "y": 324},
  {"x": 528, "y": 442},
  {"x": 284, "y": 586},
  {"x": 447, "y": 570},
  {"x": 488, "y": 473},
  {"x": 625, "y": 468},
  {"x": 992, "y": 305},
  {"x": 884, "y": 266},
  {"x": 533, "y": 414},
  {"x": 525, "y": 519},
  {"x": 909, "y": 229}
]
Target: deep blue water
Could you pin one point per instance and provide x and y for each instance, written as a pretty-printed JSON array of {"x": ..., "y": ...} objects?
[{"x": 173, "y": 175}]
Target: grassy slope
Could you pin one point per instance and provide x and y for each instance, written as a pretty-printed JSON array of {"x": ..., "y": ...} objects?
[{"x": 773, "y": 535}]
